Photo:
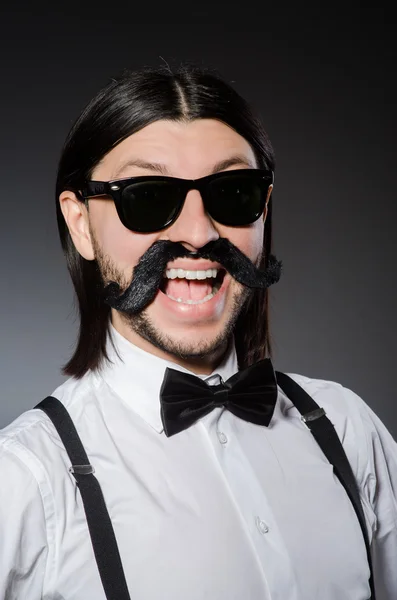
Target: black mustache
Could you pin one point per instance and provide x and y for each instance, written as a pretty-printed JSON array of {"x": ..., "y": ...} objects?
[{"x": 149, "y": 272}]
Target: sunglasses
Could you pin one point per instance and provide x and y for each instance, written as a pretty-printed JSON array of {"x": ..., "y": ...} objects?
[{"x": 152, "y": 203}]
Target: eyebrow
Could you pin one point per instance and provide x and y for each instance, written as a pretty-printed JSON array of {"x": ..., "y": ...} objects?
[
  {"x": 236, "y": 160},
  {"x": 142, "y": 164}
]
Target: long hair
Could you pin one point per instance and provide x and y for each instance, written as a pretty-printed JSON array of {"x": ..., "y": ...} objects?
[{"x": 124, "y": 106}]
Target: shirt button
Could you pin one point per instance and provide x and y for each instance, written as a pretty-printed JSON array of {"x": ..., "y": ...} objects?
[
  {"x": 222, "y": 437},
  {"x": 261, "y": 525}
]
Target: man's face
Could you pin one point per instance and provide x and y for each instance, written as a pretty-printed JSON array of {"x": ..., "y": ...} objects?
[{"x": 189, "y": 150}]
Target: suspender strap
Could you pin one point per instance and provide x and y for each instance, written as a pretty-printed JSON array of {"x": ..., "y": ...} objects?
[
  {"x": 99, "y": 524},
  {"x": 329, "y": 442}
]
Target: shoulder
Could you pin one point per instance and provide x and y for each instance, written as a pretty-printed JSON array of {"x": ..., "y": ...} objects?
[
  {"x": 342, "y": 405},
  {"x": 366, "y": 440},
  {"x": 74, "y": 395},
  {"x": 35, "y": 484},
  {"x": 30, "y": 443},
  {"x": 26, "y": 498}
]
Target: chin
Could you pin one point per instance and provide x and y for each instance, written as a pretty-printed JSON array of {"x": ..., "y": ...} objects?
[{"x": 186, "y": 342}]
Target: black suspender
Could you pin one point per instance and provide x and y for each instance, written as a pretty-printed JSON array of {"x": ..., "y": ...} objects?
[
  {"x": 99, "y": 524},
  {"x": 325, "y": 435}
]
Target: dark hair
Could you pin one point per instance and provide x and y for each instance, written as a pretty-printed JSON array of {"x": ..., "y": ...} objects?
[{"x": 126, "y": 105}]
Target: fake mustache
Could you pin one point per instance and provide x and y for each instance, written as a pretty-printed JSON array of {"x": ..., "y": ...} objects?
[{"x": 149, "y": 272}]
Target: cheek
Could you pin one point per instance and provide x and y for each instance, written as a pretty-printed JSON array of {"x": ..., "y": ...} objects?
[
  {"x": 247, "y": 239},
  {"x": 122, "y": 246}
]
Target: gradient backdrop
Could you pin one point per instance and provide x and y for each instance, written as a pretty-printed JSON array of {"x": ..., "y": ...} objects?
[{"x": 325, "y": 87}]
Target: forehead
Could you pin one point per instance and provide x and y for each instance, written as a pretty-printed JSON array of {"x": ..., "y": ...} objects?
[{"x": 186, "y": 149}]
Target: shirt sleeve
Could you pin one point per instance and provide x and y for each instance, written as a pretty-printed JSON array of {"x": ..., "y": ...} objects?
[
  {"x": 23, "y": 538},
  {"x": 379, "y": 485}
]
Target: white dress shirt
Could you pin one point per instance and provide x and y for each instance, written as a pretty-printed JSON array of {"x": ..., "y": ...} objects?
[{"x": 225, "y": 510}]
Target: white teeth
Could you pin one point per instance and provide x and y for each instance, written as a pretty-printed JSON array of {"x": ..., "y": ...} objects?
[{"x": 182, "y": 274}]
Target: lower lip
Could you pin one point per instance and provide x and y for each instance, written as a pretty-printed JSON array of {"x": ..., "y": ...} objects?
[{"x": 206, "y": 310}]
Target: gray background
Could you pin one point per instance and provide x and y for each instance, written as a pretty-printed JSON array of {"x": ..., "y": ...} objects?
[{"x": 324, "y": 85}]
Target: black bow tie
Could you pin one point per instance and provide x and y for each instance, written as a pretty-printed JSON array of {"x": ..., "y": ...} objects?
[{"x": 250, "y": 394}]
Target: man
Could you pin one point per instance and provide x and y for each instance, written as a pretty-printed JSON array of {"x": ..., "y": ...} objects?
[{"x": 213, "y": 485}]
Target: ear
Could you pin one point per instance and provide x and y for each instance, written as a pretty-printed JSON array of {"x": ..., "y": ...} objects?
[
  {"x": 269, "y": 193},
  {"x": 75, "y": 214}
]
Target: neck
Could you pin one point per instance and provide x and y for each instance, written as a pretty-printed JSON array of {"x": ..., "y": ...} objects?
[{"x": 198, "y": 364}]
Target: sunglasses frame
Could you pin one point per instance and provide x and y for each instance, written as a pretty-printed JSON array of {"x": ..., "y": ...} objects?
[{"x": 115, "y": 188}]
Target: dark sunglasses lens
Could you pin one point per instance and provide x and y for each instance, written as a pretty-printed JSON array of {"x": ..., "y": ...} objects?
[
  {"x": 150, "y": 206},
  {"x": 237, "y": 199}
]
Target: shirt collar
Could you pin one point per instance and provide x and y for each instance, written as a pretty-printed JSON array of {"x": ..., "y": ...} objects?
[{"x": 136, "y": 376}]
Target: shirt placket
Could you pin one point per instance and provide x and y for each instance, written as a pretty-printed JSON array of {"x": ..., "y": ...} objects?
[{"x": 253, "y": 508}]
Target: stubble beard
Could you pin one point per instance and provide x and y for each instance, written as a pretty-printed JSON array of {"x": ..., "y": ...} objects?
[
  {"x": 206, "y": 348},
  {"x": 142, "y": 325}
]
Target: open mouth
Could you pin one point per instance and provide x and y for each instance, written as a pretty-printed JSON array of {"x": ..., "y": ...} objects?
[{"x": 192, "y": 287}]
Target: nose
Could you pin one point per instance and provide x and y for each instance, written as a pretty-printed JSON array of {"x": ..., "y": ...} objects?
[{"x": 194, "y": 227}]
